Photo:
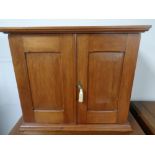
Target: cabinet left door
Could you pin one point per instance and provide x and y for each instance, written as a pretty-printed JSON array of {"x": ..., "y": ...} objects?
[{"x": 45, "y": 72}]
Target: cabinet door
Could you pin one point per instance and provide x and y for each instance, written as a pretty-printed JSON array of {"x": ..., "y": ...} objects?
[
  {"x": 101, "y": 72},
  {"x": 44, "y": 67}
]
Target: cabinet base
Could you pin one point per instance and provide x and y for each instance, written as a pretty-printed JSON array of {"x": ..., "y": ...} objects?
[{"x": 35, "y": 128}]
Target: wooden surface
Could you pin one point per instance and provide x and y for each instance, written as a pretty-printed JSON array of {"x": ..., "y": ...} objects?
[
  {"x": 49, "y": 66},
  {"x": 29, "y": 127},
  {"x": 44, "y": 68},
  {"x": 77, "y": 29},
  {"x": 144, "y": 112},
  {"x": 136, "y": 130},
  {"x": 20, "y": 68},
  {"x": 105, "y": 69},
  {"x": 129, "y": 65},
  {"x": 100, "y": 63}
]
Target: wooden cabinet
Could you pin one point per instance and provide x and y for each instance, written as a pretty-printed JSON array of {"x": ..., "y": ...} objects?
[{"x": 75, "y": 78}]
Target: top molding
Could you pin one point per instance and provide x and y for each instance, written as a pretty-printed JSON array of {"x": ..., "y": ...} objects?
[{"x": 77, "y": 29}]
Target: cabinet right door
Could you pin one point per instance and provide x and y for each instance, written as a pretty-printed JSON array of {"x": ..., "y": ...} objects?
[{"x": 105, "y": 65}]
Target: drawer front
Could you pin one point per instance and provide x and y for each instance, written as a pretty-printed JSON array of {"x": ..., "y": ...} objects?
[
  {"x": 103, "y": 64},
  {"x": 45, "y": 73}
]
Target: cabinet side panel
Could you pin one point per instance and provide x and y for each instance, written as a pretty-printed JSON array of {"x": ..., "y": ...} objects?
[
  {"x": 128, "y": 76},
  {"x": 17, "y": 51}
]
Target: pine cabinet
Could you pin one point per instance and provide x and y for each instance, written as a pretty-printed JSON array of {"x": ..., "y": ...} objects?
[{"x": 75, "y": 78}]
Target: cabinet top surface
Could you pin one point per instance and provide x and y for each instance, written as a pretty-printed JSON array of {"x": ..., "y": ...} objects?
[{"x": 78, "y": 29}]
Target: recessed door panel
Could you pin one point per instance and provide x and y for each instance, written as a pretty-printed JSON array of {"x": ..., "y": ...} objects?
[
  {"x": 104, "y": 73},
  {"x": 45, "y": 75}
]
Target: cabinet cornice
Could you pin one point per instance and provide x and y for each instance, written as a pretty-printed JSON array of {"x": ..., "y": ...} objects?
[{"x": 77, "y": 29}]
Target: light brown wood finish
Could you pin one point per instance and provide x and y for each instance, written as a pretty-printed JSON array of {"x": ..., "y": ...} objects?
[
  {"x": 37, "y": 43},
  {"x": 79, "y": 127},
  {"x": 100, "y": 63},
  {"x": 20, "y": 68},
  {"x": 128, "y": 76},
  {"x": 51, "y": 85},
  {"x": 107, "y": 42},
  {"x": 49, "y": 62},
  {"x": 102, "y": 116},
  {"x": 45, "y": 75},
  {"x": 137, "y": 130},
  {"x": 82, "y": 65},
  {"x": 49, "y": 116},
  {"x": 78, "y": 29},
  {"x": 104, "y": 75}
]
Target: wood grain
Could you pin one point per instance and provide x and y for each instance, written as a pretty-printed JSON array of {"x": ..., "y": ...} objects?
[
  {"x": 50, "y": 116},
  {"x": 50, "y": 61},
  {"x": 128, "y": 76},
  {"x": 44, "y": 82},
  {"x": 102, "y": 116},
  {"x": 108, "y": 42},
  {"x": 137, "y": 130},
  {"x": 82, "y": 65},
  {"x": 80, "y": 127},
  {"x": 45, "y": 75},
  {"x": 104, "y": 74},
  {"x": 78, "y": 29},
  {"x": 20, "y": 68},
  {"x": 37, "y": 43},
  {"x": 144, "y": 112},
  {"x": 100, "y": 72}
]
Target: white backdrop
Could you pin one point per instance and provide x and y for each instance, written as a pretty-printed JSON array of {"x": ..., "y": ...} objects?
[{"x": 144, "y": 82}]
